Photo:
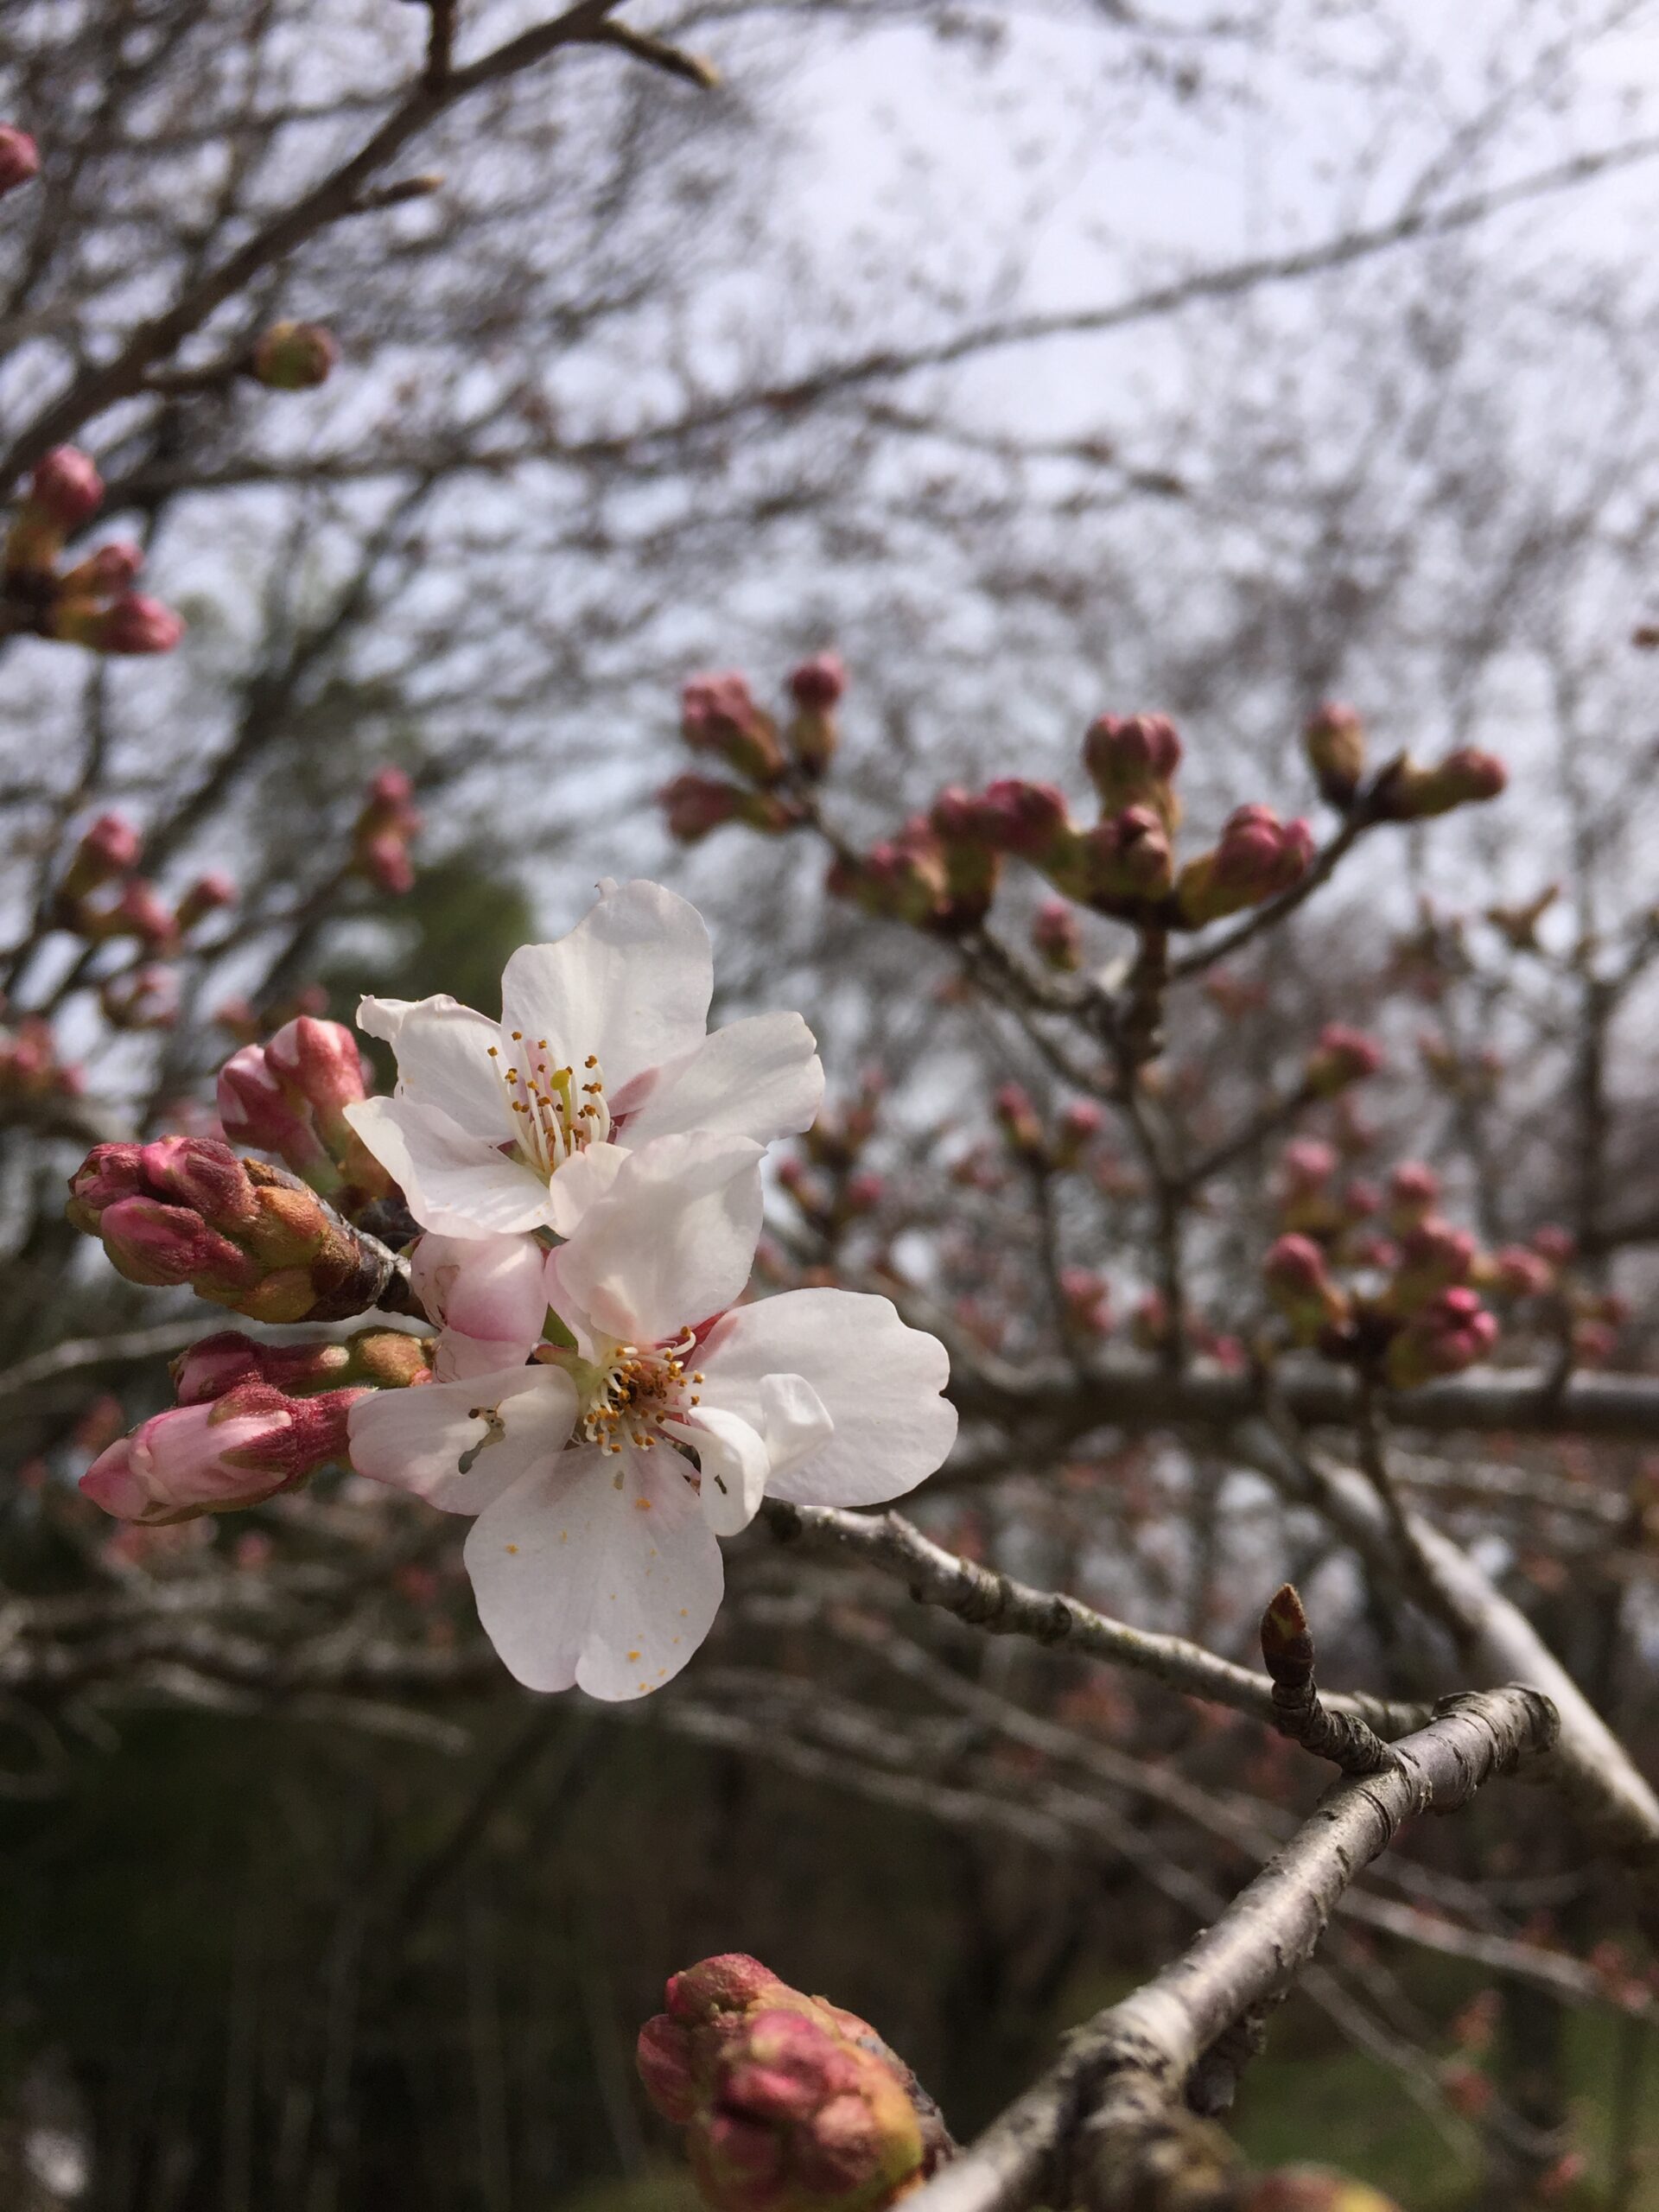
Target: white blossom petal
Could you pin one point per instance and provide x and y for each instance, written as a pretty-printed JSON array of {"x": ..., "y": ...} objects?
[
  {"x": 455, "y": 1185},
  {"x": 384, "y": 1018},
  {"x": 599, "y": 1571},
  {"x": 630, "y": 983},
  {"x": 794, "y": 1420},
  {"x": 878, "y": 1380},
  {"x": 760, "y": 1077},
  {"x": 733, "y": 1463},
  {"x": 584, "y": 1178},
  {"x": 460, "y": 1445},
  {"x": 443, "y": 1061},
  {"x": 672, "y": 1243}
]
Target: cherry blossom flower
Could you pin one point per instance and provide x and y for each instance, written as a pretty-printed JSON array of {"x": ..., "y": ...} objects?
[
  {"x": 502, "y": 1127},
  {"x": 653, "y": 1417}
]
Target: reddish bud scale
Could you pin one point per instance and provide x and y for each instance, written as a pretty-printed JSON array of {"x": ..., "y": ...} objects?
[
  {"x": 237, "y": 1452},
  {"x": 1286, "y": 1640},
  {"x": 382, "y": 1359}
]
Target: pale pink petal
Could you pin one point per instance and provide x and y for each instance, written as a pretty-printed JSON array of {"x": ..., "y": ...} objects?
[
  {"x": 492, "y": 1288},
  {"x": 878, "y": 1380},
  {"x": 631, "y": 983},
  {"x": 456, "y": 1185},
  {"x": 456, "y": 1358},
  {"x": 599, "y": 1571},
  {"x": 672, "y": 1243},
  {"x": 459, "y": 1445},
  {"x": 444, "y": 1061},
  {"x": 581, "y": 1180},
  {"x": 759, "y": 1079}
]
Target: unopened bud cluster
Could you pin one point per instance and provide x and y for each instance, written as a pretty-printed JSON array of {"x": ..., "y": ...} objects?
[
  {"x": 1380, "y": 1279},
  {"x": 91, "y": 602},
  {"x": 1334, "y": 742},
  {"x": 789, "y": 2104},
  {"x": 767, "y": 762},
  {"x": 103, "y": 898},
  {"x": 240, "y": 1233}
]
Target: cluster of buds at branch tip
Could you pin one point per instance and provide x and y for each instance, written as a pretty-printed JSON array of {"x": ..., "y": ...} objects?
[
  {"x": 20, "y": 157},
  {"x": 91, "y": 603},
  {"x": 817, "y": 688},
  {"x": 1406, "y": 792},
  {"x": 1132, "y": 760},
  {"x": 1450, "y": 1334},
  {"x": 29, "y": 1066},
  {"x": 1343, "y": 1056},
  {"x": 242, "y": 1234},
  {"x": 789, "y": 2103},
  {"x": 383, "y": 831},
  {"x": 1433, "y": 1256},
  {"x": 294, "y": 357},
  {"x": 288, "y": 1096},
  {"x": 230, "y": 1452},
  {"x": 1334, "y": 742},
  {"x": 1256, "y": 858},
  {"x": 719, "y": 717}
]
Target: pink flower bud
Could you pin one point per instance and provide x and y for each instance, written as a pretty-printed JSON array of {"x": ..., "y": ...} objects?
[
  {"x": 1557, "y": 1245},
  {"x": 1126, "y": 860},
  {"x": 1131, "y": 760},
  {"x": 1514, "y": 1272},
  {"x": 1432, "y": 1257},
  {"x": 820, "y": 682},
  {"x": 1334, "y": 742},
  {"x": 1031, "y": 820},
  {"x": 730, "y": 1982},
  {"x": 257, "y": 1107},
  {"x": 108, "y": 848},
  {"x": 319, "y": 1063},
  {"x": 487, "y": 1289},
  {"x": 104, "y": 573},
  {"x": 67, "y": 487},
  {"x": 20, "y": 157},
  {"x": 295, "y": 356},
  {"x": 380, "y": 1358},
  {"x": 1447, "y": 1334},
  {"x": 383, "y": 833},
  {"x": 1296, "y": 1279},
  {"x": 1258, "y": 857},
  {"x": 1413, "y": 1190},
  {"x": 1056, "y": 934},
  {"x": 1466, "y": 778},
  {"x": 150, "y": 1242},
  {"x": 695, "y": 804},
  {"x": 141, "y": 913},
  {"x": 1016, "y": 1116},
  {"x": 1342, "y": 1056},
  {"x": 206, "y": 895},
  {"x": 237, "y": 1452},
  {"x": 1306, "y": 1164},
  {"x": 719, "y": 715},
  {"x": 862, "y": 1192},
  {"x": 132, "y": 624}
]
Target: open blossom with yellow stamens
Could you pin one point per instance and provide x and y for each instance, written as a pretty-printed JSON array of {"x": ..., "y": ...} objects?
[
  {"x": 605, "y": 1453},
  {"x": 503, "y": 1127}
]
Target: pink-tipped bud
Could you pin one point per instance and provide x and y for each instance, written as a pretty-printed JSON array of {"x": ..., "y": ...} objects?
[
  {"x": 1031, "y": 820},
  {"x": 108, "y": 849},
  {"x": 862, "y": 1193},
  {"x": 1016, "y": 1116},
  {"x": 730, "y": 1982},
  {"x": 257, "y": 1107},
  {"x": 208, "y": 894},
  {"x": 140, "y": 912},
  {"x": 1466, "y": 778},
  {"x": 130, "y": 624},
  {"x": 791, "y": 2104},
  {"x": 1296, "y": 1279},
  {"x": 1057, "y": 935},
  {"x": 236, "y": 1452},
  {"x": 1557, "y": 1245},
  {"x": 104, "y": 573},
  {"x": 1131, "y": 760},
  {"x": 820, "y": 682},
  {"x": 1447, "y": 1334},
  {"x": 321, "y": 1063},
  {"x": 695, "y": 804},
  {"x": 1306, "y": 1164},
  {"x": 20, "y": 157},
  {"x": 1433, "y": 1257},
  {"x": 816, "y": 686},
  {"x": 1087, "y": 1299},
  {"x": 295, "y": 356},
  {"x": 1126, "y": 859},
  {"x": 1343, "y": 1056},
  {"x": 383, "y": 831},
  {"x": 1334, "y": 740},
  {"x": 1080, "y": 1123},
  {"x": 1514, "y": 1272},
  {"x": 718, "y": 715},
  {"x": 1257, "y": 858},
  {"x": 67, "y": 487},
  {"x": 378, "y": 1358},
  {"x": 1414, "y": 1189}
]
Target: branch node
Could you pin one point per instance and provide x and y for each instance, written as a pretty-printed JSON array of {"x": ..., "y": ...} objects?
[{"x": 1298, "y": 1711}]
